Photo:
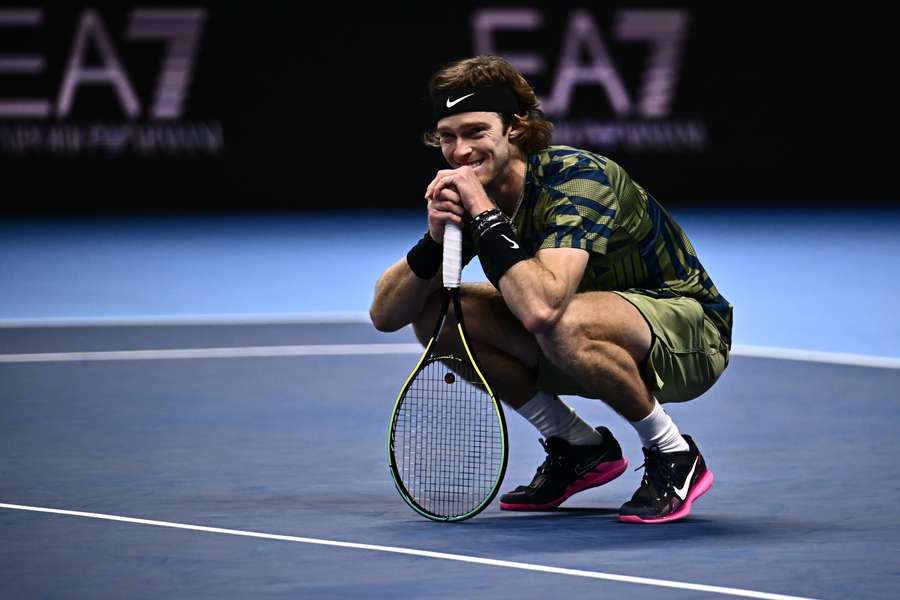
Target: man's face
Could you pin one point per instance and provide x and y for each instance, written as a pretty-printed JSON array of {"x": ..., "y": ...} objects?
[{"x": 476, "y": 139}]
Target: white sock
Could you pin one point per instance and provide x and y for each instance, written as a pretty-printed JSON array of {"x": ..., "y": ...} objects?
[
  {"x": 553, "y": 417},
  {"x": 658, "y": 429}
]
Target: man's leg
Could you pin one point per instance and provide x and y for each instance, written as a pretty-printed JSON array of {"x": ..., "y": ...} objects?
[
  {"x": 579, "y": 456},
  {"x": 505, "y": 349},
  {"x": 600, "y": 342}
]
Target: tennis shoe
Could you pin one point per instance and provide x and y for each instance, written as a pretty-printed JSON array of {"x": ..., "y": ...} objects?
[
  {"x": 671, "y": 483},
  {"x": 567, "y": 470}
]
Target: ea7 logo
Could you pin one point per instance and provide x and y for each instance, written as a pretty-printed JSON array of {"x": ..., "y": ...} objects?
[
  {"x": 664, "y": 30},
  {"x": 180, "y": 29}
]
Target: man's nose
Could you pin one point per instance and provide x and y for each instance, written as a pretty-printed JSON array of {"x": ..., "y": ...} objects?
[{"x": 461, "y": 153}]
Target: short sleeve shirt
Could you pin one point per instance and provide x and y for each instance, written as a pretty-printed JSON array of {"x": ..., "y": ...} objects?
[{"x": 577, "y": 199}]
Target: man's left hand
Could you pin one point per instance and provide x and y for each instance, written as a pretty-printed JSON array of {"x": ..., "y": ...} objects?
[{"x": 471, "y": 193}]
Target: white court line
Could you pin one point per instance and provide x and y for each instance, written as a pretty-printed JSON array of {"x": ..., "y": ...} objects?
[
  {"x": 837, "y": 358},
  {"x": 353, "y": 317},
  {"x": 860, "y": 360},
  {"x": 237, "y": 352},
  {"x": 312, "y": 318},
  {"x": 423, "y": 553}
]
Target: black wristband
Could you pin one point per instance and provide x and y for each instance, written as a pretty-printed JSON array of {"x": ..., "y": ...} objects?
[
  {"x": 486, "y": 220},
  {"x": 425, "y": 258},
  {"x": 498, "y": 245}
]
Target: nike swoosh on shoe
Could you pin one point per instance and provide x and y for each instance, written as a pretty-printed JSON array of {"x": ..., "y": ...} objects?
[{"x": 683, "y": 490}]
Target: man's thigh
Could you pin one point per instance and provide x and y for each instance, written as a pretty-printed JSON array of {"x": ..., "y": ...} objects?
[
  {"x": 677, "y": 348},
  {"x": 590, "y": 317}
]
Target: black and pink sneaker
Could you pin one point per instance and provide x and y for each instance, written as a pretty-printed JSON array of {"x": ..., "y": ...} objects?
[
  {"x": 671, "y": 483},
  {"x": 567, "y": 470}
]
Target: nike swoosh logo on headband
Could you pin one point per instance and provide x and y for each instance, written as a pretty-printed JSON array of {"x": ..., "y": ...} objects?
[{"x": 451, "y": 104}]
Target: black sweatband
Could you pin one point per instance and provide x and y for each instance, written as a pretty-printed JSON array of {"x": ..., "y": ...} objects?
[
  {"x": 425, "y": 258},
  {"x": 484, "y": 221},
  {"x": 498, "y": 245},
  {"x": 474, "y": 99}
]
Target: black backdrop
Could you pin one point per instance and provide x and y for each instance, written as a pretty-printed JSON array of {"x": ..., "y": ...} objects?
[{"x": 316, "y": 108}]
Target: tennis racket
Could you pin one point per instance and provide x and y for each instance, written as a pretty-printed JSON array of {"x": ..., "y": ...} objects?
[{"x": 447, "y": 442}]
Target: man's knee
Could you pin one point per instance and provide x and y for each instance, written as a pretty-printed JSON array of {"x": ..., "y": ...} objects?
[
  {"x": 488, "y": 321},
  {"x": 475, "y": 300}
]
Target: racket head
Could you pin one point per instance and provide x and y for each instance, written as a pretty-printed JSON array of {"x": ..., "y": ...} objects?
[{"x": 447, "y": 442}]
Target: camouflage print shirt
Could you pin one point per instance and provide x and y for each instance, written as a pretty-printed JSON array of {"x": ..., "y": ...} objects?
[{"x": 577, "y": 199}]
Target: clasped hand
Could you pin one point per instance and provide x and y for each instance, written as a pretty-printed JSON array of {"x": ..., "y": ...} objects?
[{"x": 452, "y": 194}]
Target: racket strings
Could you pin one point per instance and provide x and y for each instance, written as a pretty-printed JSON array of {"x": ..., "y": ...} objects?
[{"x": 447, "y": 440}]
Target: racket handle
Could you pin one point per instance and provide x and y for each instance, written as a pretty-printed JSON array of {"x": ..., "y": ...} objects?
[{"x": 452, "y": 255}]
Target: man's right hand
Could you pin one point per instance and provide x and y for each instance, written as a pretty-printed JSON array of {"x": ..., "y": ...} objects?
[{"x": 446, "y": 206}]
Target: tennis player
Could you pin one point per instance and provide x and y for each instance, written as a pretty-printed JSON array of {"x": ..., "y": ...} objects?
[{"x": 594, "y": 291}]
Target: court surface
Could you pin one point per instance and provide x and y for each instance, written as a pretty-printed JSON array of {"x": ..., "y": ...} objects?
[
  {"x": 174, "y": 390},
  {"x": 280, "y": 430}
]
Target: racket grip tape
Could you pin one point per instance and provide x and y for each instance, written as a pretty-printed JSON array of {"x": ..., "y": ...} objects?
[{"x": 452, "y": 255}]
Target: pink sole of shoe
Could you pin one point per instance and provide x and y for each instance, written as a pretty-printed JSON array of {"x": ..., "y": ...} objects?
[
  {"x": 701, "y": 488},
  {"x": 604, "y": 474}
]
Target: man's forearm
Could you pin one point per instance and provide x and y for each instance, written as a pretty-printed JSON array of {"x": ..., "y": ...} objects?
[
  {"x": 400, "y": 296},
  {"x": 534, "y": 295}
]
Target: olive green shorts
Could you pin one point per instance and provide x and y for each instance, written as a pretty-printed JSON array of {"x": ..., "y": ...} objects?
[{"x": 687, "y": 354}]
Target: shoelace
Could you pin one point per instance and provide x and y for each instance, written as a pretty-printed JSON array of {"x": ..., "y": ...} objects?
[
  {"x": 553, "y": 462},
  {"x": 658, "y": 472}
]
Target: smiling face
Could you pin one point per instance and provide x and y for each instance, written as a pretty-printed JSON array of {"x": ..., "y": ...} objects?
[{"x": 478, "y": 139}]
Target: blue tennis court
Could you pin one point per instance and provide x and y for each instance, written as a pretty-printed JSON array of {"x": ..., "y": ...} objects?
[{"x": 195, "y": 409}]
